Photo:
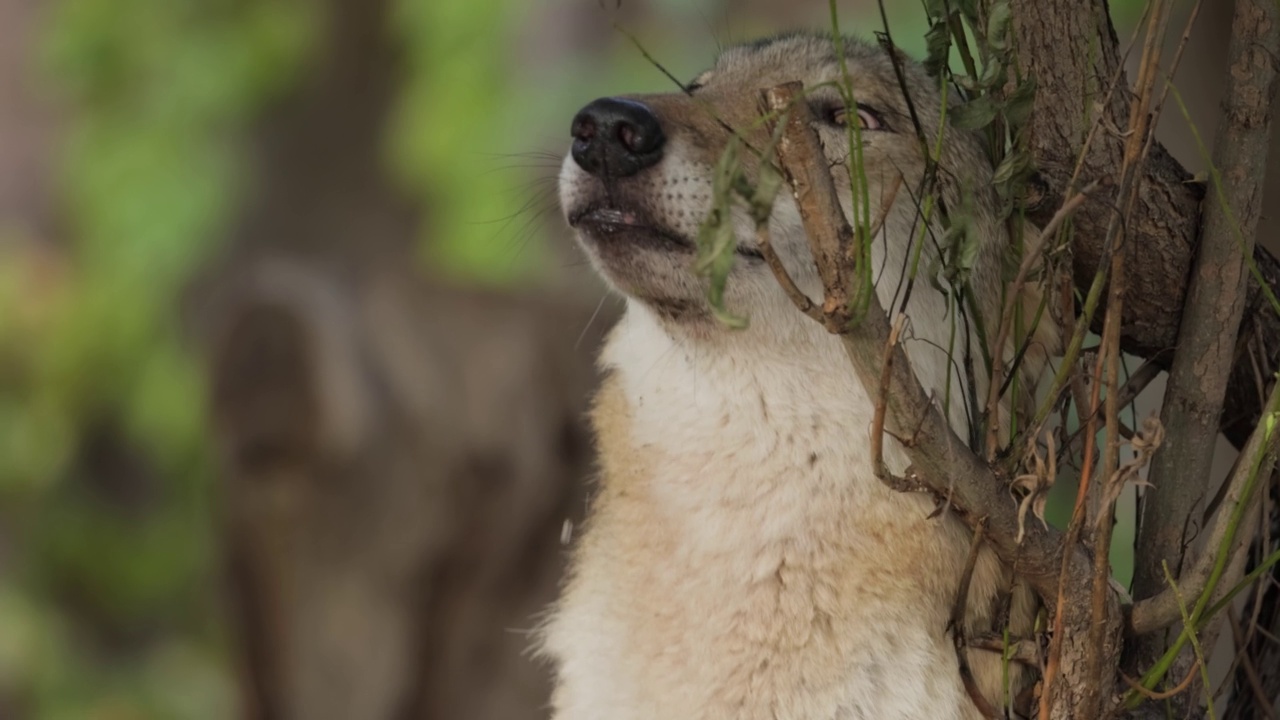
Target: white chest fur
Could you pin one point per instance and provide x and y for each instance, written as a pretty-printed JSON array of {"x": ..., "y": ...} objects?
[{"x": 742, "y": 561}]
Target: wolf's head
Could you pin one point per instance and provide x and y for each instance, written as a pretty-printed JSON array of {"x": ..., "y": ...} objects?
[{"x": 637, "y": 184}]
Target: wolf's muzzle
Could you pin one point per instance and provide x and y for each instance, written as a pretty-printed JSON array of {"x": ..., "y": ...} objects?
[{"x": 616, "y": 138}]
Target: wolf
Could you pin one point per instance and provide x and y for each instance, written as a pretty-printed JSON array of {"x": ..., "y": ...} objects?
[{"x": 741, "y": 559}]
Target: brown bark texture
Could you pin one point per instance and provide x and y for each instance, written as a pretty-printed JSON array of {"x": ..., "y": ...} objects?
[
  {"x": 1071, "y": 48},
  {"x": 1213, "y": 308},
  {"x": 1190, "y": 302}
]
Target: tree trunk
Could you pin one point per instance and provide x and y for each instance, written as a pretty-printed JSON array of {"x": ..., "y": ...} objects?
[{"x": 398, "y": 456}]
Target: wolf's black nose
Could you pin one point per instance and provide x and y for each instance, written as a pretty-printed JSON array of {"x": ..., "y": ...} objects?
[{"x": 614, "y": 138}]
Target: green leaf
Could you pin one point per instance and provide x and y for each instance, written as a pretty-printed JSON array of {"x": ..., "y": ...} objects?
[
  {"x": 937, "y": 8},
  {"x": 766, "y": 191},
  {"x": 998, "y": 25},
  {"x": 938, "y": 48},
  {"x": 724, "y": 176},
  {"x": 715, "y": 236},
  {"x": 716, "y": 240},
  {"x": 968, "y": 252},
  {"x": 716, "y": 266},
  {"x": 1014, "y": 167},
  {"x": 733, "y": 322},
  {"x": 975, "y": 114},
  {"x": 1018, "y": 105},
  {"x": 968, "y": 8},
  {"x": 993, "y": 74}
]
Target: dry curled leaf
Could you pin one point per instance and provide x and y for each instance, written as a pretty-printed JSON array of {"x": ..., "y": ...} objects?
[
  {"x": 1031, "y": 489},
  {"x": 1144, "y": 444}
]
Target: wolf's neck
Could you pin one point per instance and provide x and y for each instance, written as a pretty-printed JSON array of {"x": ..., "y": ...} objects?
[
  {"x": 757, "y": 377},
  {"x": 773, "y": 438}
]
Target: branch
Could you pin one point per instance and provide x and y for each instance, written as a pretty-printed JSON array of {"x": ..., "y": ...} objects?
[
  {"x": 1215, "y": 300},
  {"x": 1031, "y": 256},
  {"x": 1070, "y": 47},
  {"x": 1161, "y": 611},
  {"x": 939, "y": 459},
  {"x": 806, "y": 173}
]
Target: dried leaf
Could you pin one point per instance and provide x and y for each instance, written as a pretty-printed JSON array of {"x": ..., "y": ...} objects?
[
  {"x": 1033, "y": 486},
  {"x": 1032, "y": 499},
  {"x": 1144, "y": 444}
]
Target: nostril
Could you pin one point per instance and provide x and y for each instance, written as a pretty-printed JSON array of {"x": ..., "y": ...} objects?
[
  {"x": 584, "y": 128},
  {"x": 634, "y": 139}
]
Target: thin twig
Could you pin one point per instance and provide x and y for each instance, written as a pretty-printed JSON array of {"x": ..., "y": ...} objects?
[
  {"x": 1201, "y": 579},
  {"x": 958, "y": 612},
  {"x": 885, "y": 206},
  {"x": 797, "y": 296},
  {"x": 1166, "y": 694},
  {"x": 1189, "y": 628},
  {"x": 1022, "y": 651},
  {"x": 882, "y": 399},
  {"x": 1109, "y": 467},
  {"x": 1078, "y": 513},
  {"x": 940, "y": 461},
  {"x": 1246, "y": 665},
  {"x": 1012, "y": 296},
  {"x": 1215, "y": 299},
  {"x": 1213, "y": 308}
]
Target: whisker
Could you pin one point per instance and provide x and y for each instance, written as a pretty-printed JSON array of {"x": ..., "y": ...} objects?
[
  {"x": 581, "y": 336},
  {"x": 534, "y": 200}
]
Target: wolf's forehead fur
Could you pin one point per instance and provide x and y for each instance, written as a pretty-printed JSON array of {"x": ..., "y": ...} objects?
[
  {"x": 796, "y": 49},
  {"x": 814, "y": 58}
]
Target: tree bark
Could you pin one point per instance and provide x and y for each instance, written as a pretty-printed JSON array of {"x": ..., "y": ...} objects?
[
  {"x": 1181, "y": 467},
  {"x": 1070, "y": 47}
]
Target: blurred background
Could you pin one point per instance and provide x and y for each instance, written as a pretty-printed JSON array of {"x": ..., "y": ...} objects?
[{"x": 294, "y": 345}]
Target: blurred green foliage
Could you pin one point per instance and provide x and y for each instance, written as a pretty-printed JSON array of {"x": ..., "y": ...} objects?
[
  {"x": 468, "y": 159},
  {"x": 110, "y": 606}
]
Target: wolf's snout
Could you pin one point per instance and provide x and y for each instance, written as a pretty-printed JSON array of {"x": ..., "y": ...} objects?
[{"x": 616, "y": 138}]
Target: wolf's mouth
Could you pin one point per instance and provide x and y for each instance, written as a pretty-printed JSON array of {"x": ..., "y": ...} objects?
[
  {"x": 608, "y": 224},
  {"x": 611, "y": 224}
]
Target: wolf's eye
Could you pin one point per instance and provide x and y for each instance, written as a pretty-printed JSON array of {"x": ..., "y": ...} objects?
[{"x": 869, "y": 119}]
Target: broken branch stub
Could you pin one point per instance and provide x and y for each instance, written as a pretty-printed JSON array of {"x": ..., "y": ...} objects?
[{"x": 810, "y": 183}]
